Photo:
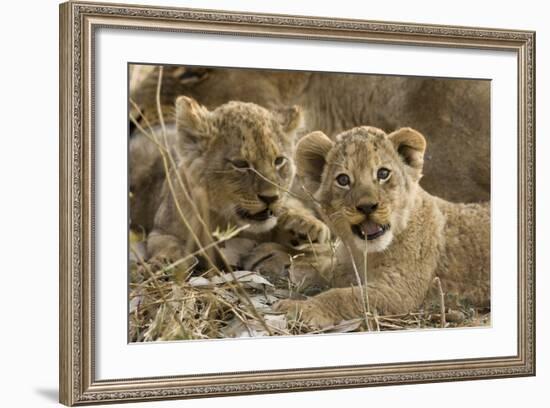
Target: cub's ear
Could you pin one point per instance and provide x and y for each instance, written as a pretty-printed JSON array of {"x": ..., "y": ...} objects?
[
  {"x": 192, "y": 121},
  {"x": 410, "y": 145},
  {"x": 310, "y": 155},
  {"x": 290, "y": 118}
]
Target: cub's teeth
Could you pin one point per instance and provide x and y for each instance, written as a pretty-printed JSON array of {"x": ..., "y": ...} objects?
[{"x": 357, "y": 230}]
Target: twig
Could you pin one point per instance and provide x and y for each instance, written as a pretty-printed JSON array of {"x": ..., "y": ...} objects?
[
  {"x": 365, "y": 276},
  {"x": 441, "y": 301},
  {"x": 376, "y": 320}
]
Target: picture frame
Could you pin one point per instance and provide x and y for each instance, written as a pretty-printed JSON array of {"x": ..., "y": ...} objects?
[{"x": 79, "y": 24}]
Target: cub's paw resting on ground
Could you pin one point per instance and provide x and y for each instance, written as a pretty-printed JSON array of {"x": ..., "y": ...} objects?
[
  {"x": 165, "y": 257},
  {"x": 311, "y": 269},
  {"x": 174, "y": 261},
  {"x": 270, "y": 259},
  {"x": 309, "y": 312}
]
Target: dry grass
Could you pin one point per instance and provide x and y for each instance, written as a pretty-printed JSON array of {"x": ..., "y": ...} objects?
[
  {"x": 176, "y": 302},
  {"x": 204, "y": 307}
]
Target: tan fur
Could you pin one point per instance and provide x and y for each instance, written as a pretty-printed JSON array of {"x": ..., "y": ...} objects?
[
  {"x": 453, "y": 114},
  {"x": 427, "y": 236},
  {"x": 209, "y": 146}
]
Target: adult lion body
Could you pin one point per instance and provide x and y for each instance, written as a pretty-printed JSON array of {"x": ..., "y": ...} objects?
[
  {"x": 367, "y": 186},
  {"x": 454, "y": 114}
]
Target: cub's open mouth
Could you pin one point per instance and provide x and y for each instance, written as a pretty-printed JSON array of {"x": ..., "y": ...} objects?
[
  {"x": 369, "y": 230},
  {"x": 263, "y": 215}
]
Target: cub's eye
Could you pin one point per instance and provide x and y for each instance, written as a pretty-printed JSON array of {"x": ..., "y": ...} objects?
[
  {"x": 383, "y": 173},
  {"x": 343, "y": 180},
  {"x": 280, "y": 161},
  {"x": 240, "y": 164}
]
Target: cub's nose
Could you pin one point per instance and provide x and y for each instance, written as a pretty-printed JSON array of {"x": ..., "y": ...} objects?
[
  {"x": 268, "y": 199},
  {"x": 367, "y": 208}
]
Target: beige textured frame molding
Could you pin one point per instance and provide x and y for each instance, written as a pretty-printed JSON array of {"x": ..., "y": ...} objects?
[{"x": 78, "y": 22}]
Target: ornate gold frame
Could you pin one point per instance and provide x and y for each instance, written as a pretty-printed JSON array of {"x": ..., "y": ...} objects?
[{"x": 78, "y": 22}]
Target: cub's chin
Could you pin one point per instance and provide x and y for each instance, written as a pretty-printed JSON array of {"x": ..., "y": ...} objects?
[
  {"x": 377, "y": 245},
  {"x": 259, "y": 222},
  {"x": 258, "y": 227}
]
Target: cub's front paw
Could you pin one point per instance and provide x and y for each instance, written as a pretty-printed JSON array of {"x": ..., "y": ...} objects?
[
  {"x": 270, "y": 259},
  {"x": 166, "y": 256},
  {"x": 304, "y": 227},
  {"x": 174, "y": 262},
  {"x": 308, "y": 312}
]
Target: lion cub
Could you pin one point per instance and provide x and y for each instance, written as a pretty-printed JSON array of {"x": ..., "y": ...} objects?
[
  {"x": 366, "y": 184},
  {"x": 234, "y": 170}
]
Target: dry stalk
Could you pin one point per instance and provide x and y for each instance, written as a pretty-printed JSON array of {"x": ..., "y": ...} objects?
[
  {"x": 360, "y": 285},
  {"x": 365, "y": 281},
  {"x": 376, "y": 320},
  {"x": 441, "y": 301}
]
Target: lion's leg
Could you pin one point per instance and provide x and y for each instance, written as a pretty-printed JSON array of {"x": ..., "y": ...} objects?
[
  {"x": 335, "y": 305},
  {"x": 162, "y": 247},
  {"x": 169, "y": 241},
  {"x": 326, "y": 309}
]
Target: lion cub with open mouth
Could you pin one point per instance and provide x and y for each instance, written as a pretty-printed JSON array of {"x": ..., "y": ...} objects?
[
  {"x": 234, "y": 171},
  {"x": 367, "y": 186}
]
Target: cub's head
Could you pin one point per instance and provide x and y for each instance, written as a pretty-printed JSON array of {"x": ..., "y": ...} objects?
[
  {"x": 365, "y": 181},
  {"x": 241, "y": 154}
]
